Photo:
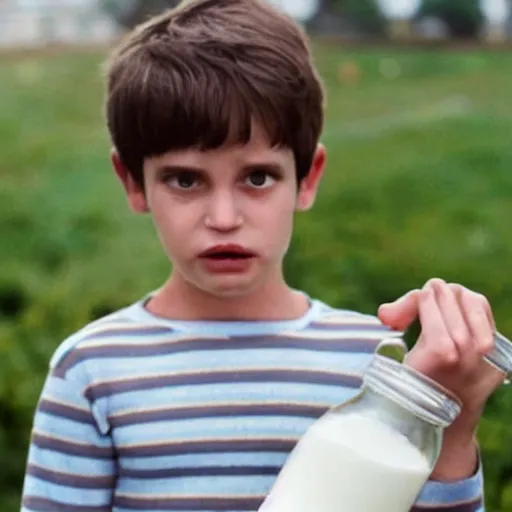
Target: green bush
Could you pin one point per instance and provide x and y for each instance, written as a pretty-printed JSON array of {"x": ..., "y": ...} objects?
[
  {"x": 130, "y": 13},
  {"x": 464, "y": 18},
  {"x": 364, "y": 13},
  {"x": 418, "y": 185}
]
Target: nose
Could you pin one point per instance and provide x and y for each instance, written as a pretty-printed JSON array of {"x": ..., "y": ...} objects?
[{"x": 222, "y": 213}]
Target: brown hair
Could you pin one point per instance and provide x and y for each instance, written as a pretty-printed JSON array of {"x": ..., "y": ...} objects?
[{"x": 197, "y": 75}]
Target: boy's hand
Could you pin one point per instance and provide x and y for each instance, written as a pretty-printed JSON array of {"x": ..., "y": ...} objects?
[{"x": 457, "y": 329}]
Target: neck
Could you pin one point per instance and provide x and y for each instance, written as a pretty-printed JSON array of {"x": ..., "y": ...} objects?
[{"x": 273, "y": 301}]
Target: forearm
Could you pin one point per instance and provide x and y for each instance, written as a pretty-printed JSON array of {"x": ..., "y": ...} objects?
[{"x": 458, "y": 459}]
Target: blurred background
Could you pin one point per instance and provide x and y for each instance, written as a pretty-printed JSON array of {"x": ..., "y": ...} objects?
[{"x": 419, "y": 182}]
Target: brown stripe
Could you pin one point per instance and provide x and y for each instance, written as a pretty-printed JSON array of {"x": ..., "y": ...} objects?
[
  {"x": 472, "y": 506},
  {"x": 69, "y": 480},
  {"x": 208, "y": 446},
  {"x": 109, "y": 388},
  {"x": 211, "y": 471},
  {"x": 347, "y": 327},
  {"x": 131, "y": 332},
  {"x": 207, "y": 503},
  {"x": 214, "y": 411},
  {"x": 351, "y": 345},
  {"x": 80, "y": 450},
  {"x": 66, "y": 411},
  {"x": 36, "y": 504}
]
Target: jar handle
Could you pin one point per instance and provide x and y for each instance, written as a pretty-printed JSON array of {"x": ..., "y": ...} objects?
[{"x": 393, "y": 346}]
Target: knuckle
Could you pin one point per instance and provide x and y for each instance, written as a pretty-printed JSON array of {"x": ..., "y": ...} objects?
[
  {"x": 480, "y": 297},
  {"x": 447, "y": 355},
  {"x": 477, "y": 299},
  {"x": 456, "y": 289},
  {"x": 486, "y": 345},
  {"x": 479, "y": 317},
  {"x": 450, "y": 358},
  {"x": 484, "y": 301},
  {"x": 436, "y": 281},
  {"x": 461, "y": 337}
]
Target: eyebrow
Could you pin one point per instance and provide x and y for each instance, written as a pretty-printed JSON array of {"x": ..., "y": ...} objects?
[
  {"x": 163, "y": 169},
  {"x": 263, "y": 166},
  {"x": 255, "y": 166}
]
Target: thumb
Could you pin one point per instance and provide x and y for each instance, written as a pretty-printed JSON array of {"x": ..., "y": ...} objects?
[{"x": 402, "y": 312}]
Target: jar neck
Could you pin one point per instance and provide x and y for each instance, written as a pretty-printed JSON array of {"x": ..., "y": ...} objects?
[{"x": 412, "y": 391}]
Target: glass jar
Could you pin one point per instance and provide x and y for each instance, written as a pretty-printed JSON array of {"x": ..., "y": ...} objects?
[
  {"x": 373, "y": 453},
  {"x": 501, "y": 354}
]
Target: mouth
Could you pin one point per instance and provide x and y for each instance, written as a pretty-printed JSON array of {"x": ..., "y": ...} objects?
[{"x": 227, "y": 252}]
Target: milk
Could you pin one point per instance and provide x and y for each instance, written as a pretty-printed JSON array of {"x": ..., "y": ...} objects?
[{"x": 350, "y": 463}]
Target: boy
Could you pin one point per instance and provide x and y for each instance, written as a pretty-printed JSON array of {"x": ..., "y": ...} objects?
[{"x": 192, "y": 398}]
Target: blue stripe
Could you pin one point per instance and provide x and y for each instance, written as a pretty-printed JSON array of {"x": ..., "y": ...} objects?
[
  {"x": 292, "y": 359},
  {"x": 43, "y": 489},
  {"x": 212, "y": 394},
  {"x": 79, "y": 465},
  {"x": 71, "y": 430},
  {"x": 206, "y": 460},
  {"x": 236, "y": 427},
  {"x": 207, "y": 486}
]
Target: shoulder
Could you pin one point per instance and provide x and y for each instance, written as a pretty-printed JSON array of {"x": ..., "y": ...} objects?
[
  {"x": 101, "y": 337},
  {"x": 330, "y": 316},
  {"x": 357, "y": 326}
]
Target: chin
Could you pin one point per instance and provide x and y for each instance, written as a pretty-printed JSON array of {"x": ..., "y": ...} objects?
[
  {"x": 230, "y": 287},
  {"x": 226, "y": 291}
]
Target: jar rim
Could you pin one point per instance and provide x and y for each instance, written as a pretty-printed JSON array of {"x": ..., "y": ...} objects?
[
  {"x": 501, "y": 354},
  {"x": 422, "y": 396}
]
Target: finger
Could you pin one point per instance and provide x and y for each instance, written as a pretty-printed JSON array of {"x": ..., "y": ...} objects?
[
  {"x": 434, "y": 332},
  {"x": 475, "y": 309},
  {"x": 456, "y": 324},
  {"x": 458, "y": 289},
  {"x": 402, "y": 312}
]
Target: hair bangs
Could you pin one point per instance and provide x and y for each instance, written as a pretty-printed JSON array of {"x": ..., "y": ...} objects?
[
  {"x": 177, "y": 105},
  {"x": 203, "y": 75}
]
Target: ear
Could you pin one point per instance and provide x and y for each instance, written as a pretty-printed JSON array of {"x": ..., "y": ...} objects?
[
  {"x": 134, "y": 192},
  {"x": 308, "y": 187}
]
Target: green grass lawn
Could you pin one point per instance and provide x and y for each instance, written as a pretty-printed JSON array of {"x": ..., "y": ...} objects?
[{"x": 419, "y": 184}]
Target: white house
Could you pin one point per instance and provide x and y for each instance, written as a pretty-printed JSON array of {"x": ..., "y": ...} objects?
[{"x": 38, "y": 22}]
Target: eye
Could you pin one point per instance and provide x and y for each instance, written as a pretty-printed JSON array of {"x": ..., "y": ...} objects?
[
  {"x": 260, "y": 179},
  {"x": 183, "y": 180}
]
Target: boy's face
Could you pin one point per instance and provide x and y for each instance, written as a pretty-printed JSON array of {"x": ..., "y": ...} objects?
[{"x": 224, "y": 216}]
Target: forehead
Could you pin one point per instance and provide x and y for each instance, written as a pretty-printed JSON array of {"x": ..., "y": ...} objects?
[{"x": 257, "y": 151}]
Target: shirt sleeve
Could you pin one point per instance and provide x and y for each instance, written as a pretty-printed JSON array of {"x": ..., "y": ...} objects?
[
  {"x": 71, "y": 465},
  {"x": 462, "y": 496}
]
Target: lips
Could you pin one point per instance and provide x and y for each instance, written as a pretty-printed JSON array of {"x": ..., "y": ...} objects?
[{"x": 227, "y": 252}]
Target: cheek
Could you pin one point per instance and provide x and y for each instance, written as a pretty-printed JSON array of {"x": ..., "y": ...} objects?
[
  {"x": 278, "y": 215},
  {"x": 172, "y": 219}
]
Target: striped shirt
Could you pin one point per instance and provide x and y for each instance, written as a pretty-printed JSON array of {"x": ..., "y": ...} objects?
[{"x": 143, "y": 413}]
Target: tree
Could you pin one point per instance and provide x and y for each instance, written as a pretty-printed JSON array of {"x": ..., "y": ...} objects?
[{"x": 462, "y": 17}]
